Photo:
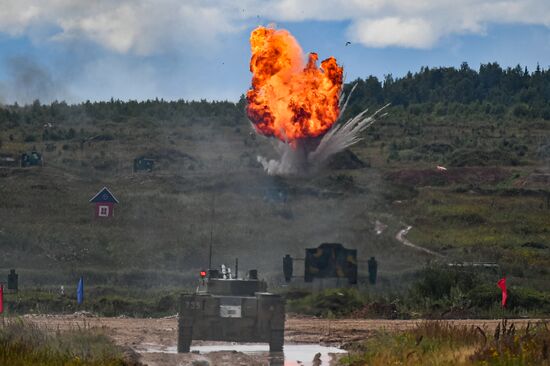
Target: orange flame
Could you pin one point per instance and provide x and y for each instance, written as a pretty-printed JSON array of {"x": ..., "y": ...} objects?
[{"x": 290, "y": 100}]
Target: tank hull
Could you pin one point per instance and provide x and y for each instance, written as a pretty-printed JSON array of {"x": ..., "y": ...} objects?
[{"x": 259, "y": 318}]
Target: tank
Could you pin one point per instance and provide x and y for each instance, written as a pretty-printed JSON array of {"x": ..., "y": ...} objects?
[{"x": 234, "y": 310}]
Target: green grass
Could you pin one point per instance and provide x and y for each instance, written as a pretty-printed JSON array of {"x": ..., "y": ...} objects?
[
  {"x": 435, "y": 292},
  {"x": 24, "y": 344},
  {"x": 158, "y": 239},
  {"x": 104, "y": 301},
  {"x": 437, "y": 343},
  {"x": 478, "y": 227}
]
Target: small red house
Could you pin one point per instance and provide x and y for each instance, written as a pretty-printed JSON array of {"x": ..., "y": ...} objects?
[{"x": 104, "y": 203}]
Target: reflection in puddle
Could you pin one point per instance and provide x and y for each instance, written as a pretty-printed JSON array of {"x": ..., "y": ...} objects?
[{"x": 293, "y": 354}]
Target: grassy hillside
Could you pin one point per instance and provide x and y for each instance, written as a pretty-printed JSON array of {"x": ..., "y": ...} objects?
[{"x": 492, "y": 204}]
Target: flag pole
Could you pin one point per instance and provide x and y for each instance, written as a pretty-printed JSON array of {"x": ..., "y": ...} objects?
[{"x": 212, "y": 213}]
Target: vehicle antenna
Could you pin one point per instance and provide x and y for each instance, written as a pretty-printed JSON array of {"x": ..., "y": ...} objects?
[{"x": 212, "y": 213}]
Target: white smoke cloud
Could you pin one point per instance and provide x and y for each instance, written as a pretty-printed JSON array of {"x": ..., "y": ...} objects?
[
  {"x": 416, "y": 33},
  {"x": 139, "y": 27},
  {"x": 145, "y": 27},
  {"x": 414, "y": 24}
]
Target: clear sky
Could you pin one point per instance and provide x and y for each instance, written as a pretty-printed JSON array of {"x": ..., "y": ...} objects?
[{"x": 76, "y": 50}]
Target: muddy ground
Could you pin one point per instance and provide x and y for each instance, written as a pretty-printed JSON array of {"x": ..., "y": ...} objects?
[{"x": 153, "y": 339}]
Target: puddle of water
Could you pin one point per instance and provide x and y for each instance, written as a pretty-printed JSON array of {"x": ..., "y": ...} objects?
[{"x": 293, "y": 354}]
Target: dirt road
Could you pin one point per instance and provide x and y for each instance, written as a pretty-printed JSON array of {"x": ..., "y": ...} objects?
[
  {"x": 155, "y": 339},
  {"x": 400, "y": 236}
]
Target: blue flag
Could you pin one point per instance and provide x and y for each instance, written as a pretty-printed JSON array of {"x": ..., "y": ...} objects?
[{"x": 80, "y": 291}]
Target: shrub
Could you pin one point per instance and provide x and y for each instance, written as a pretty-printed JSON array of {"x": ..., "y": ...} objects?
[
  {"x": 521, "y": 110},
  {"x": 166, "y": 303},
  {"x": 528, "y": 299},
  {"x": 331, "y": 302},
  {"x": 472, "y": 157},
  {"x": 435, "y": 282},
  {"x": 30, "y": 138}
]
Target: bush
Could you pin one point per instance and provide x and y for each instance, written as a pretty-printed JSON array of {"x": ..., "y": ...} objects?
[
  {"x": 484, "y": 296},
  {"x": 30, "y": 138},
  {"x": 528, "y": 299},
  {"x": 331, "y": 302},
  {"x": 166, "y": 303},
  {"x": 521, "y": 110},
  {"x": 436, "y": 283},
  {"x": 467, "y": 157},
  {"x": 448, "y": 287}
]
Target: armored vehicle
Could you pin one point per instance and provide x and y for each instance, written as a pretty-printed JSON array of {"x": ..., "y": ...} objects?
[
  {"x": 143, "y": 164},
  {"x": 236, "y": 310},
  {"x": 32, "y": 159}
]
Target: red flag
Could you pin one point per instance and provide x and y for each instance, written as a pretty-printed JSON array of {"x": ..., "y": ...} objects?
[
  {"x": 502, "y": 285},
  {"x": 1, "y": 298}
]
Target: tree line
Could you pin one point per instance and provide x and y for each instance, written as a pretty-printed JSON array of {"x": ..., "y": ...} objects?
[
  {"x": 442, "y": 91},
  {"x": 447, "y": 90}
]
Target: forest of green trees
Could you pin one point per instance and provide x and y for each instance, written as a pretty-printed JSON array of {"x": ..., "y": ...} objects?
[
  {"x": 491, "y": 91},
  {"x": 449, "y": 91}
]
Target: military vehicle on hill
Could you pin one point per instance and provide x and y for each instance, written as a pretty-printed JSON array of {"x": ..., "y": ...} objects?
[{"x": 32, "y": 159}]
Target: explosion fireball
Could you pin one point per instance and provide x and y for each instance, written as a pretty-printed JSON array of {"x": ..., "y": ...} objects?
[
  {"x": 298, "y": 103},
  {"x": 289, "y": 99}
]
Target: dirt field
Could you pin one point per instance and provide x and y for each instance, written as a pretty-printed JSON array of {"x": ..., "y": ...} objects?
[{"x": 155, "y": 339}]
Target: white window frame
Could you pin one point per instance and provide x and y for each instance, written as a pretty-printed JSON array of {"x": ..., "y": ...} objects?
[{"x": 103, "y": 211}]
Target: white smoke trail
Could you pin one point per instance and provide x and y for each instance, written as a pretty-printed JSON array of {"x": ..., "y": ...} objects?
[
  {"x": 342, "y": 136},
  {"x": 300, "y": 160}
]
